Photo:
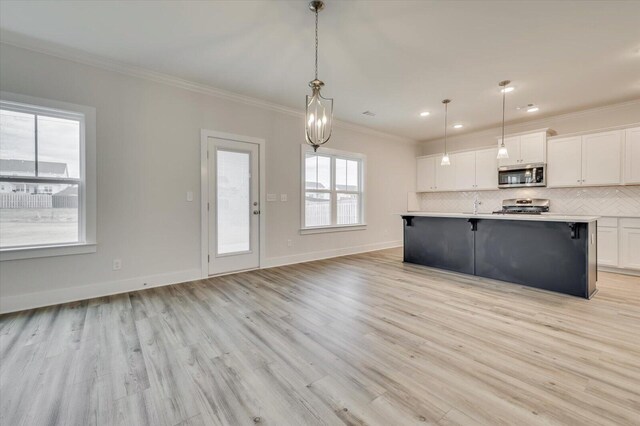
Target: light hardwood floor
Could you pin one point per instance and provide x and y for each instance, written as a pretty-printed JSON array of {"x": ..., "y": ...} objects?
[{"x": 362, "y": 339}]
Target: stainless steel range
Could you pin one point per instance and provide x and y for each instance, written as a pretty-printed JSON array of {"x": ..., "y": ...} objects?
[{"x": 524, "y": 206}]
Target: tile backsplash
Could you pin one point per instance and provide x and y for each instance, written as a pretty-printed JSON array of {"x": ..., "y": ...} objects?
[{"x": 600, "y": 201}]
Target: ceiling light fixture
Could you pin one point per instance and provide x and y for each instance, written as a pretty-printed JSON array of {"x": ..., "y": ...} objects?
[
  {"x": 502, "y": 151},
  {"x": 319, "y": 110},
  {"x": 445, "y": 158},
  {"x": 532, "y": 108},
  {"x": 508, "y": 89},
  {"x": 458, "y": 126},
  {"x": 424, "y": 114}
]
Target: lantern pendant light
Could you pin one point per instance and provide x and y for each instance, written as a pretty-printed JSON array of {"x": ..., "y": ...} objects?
[
  {"x": 318, "y": 110},
  {"x": 445, "y": 158},
  {"x": 502, "y": 151}
]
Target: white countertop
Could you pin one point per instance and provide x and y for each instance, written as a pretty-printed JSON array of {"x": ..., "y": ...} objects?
[{"x": 544, "y": 217}]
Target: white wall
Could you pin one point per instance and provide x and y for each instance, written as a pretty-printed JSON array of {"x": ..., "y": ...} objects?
[
  {"x": 587, "y": 120},
  {"x": 148, "y": 154}
]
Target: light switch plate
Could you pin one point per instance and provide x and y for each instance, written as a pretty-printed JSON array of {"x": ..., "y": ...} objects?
[
  {"x": 283, "y": 197},
  {"x": 271, "y": 197}
]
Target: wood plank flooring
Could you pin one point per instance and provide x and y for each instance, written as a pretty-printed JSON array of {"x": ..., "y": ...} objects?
[{"x": 361, "y": 339}]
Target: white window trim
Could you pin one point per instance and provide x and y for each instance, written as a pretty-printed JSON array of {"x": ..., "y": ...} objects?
[
  {"x": 86, "y": 189},
  {"x": 305, "y": 230}
]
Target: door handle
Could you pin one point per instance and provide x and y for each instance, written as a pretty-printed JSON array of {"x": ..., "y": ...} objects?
[{"x": 256, "y": 212}]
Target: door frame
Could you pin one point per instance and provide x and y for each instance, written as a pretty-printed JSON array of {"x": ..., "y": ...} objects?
[{"x": 205, "y": 134}]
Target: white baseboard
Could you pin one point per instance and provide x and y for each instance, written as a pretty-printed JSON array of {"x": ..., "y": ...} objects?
[
  {"x": 71, "y": 294},
  {"x": 327, "y": 254},
  {"x": 623, "y": 271}
]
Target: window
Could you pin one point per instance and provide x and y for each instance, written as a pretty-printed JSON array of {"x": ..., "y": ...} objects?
[
  {"x": 332, "y": 189},
  {"x": 43, "y": 192}
]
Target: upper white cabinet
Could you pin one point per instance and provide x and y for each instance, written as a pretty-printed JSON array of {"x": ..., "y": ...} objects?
[
  {"x": 426, "y": 174},
  {"x": 468, "y": 171},
  {"x": 487, "y": 169},
  {"x": 594, "y": 159},
  {"x": 525, "y": 149},
  {"x": 465, "y": 173},
  {"x": 632, "y": 156},
  {"x": 602, "y": 158},
  {"x": 564, "y": 165}
]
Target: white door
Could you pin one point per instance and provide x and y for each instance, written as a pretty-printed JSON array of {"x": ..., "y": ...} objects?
[
  {"x": 532, "y": 148},
  {"x": 465, "y": 167},
  {"x": 564, "y": 162},
  {"x": 487, "y": 169},
  {"x": 513, "y": 149},
  {"x": 426, "y": 174},
  {"x": 602, "y": 158},
  {"x": 234, "y": 206},
  {"x": 632, "y": 154}
]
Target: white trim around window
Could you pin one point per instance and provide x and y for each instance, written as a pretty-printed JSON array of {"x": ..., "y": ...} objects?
[
  {"x": 86, "y": 181},
  {"x": 333, "y": 192}
]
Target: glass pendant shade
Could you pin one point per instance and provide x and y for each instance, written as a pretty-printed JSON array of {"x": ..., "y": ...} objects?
[
  {"x": 319, "y": 116},
  {"x": 445, "y": 160},
  {"x": 503, "y": 153}
]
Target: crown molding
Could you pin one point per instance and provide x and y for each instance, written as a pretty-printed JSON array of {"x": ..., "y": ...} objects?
[
  {"x": 520, "y": 125},
  {"x": 51, "y": 49}
]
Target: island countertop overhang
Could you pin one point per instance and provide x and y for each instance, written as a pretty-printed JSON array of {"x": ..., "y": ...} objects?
[{"x": 544, "y": 217}]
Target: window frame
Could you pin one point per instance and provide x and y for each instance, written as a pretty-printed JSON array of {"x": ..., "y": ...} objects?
[
  {"x": 333, "y": 154},
  {"x": 86, "y": 180}
]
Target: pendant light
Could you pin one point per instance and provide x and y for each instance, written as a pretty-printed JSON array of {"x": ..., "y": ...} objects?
[
  {"x": 445, "y": 158},
  {"x": 318, "y": 110},
  {"x": 502, "y": 151}
]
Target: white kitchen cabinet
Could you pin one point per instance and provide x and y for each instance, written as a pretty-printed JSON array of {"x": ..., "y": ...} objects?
[
  {"x": 465, "y": 170},
  {"x": 525, "y": 149},
  {"x": 632, "y": 156},
  {"x": 513, "y": 149},
  {"x": 608, "y": 242},
  {"x": 487, "y": 169},
  {"x": 426, "y": 174},
  {"x": 630, "y": 243},
  {"x": 445, "y": 175},
  {"x": 602, "y": 158},
  {"x": 533, "y": 148},
  {"x": 564, "y": 162}
]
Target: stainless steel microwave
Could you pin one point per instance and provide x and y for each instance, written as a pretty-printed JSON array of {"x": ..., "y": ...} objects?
[{"x": 522, "y": 175}]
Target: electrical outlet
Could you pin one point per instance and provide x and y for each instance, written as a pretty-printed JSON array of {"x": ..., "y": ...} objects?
[
  {"x": 117, "y": 264},
  {"x": 283, "y": 197},
  {"x": 189, "y": 196},
  {"x": 289, "y": 243}
]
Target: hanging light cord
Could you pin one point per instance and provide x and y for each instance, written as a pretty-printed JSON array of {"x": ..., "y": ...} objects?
[
  {"x": 316, "y": 43},
  {"x": 504, "y": 95},
  {"x": 446, "y": 109}
]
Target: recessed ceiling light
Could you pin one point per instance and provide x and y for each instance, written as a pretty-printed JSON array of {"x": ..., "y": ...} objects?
[
  {"x": 532, "y": 108},
  {"x": 424, "y": 114},
  {"x": 458, "y": 126},
  {"x": 507, "y": 89}
]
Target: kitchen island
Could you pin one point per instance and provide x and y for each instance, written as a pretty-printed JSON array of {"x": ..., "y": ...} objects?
[{"x": 551, "y": 252}]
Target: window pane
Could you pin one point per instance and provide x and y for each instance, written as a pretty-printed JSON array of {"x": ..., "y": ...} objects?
[
  {"x": 341, "y": 174},
  {"x": 317, "y": 172},
  {"x": 58, "y": 147},
  {"x": 311, "y": 171},
  {"x": 348, "y": 209},
  {"x": 353, "y": 175},
  {"x": 233, "y": 201},
  {"x": 317, "y": 209},
  {"x": 37, "y": 214},
  {"x": 17, "y": 143}
]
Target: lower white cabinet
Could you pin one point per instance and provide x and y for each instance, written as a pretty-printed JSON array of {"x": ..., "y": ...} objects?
[
  {"x": 608, "y": 241},
  {"x": 619, "y": 242},
  {"x": 630, "y": 243}
]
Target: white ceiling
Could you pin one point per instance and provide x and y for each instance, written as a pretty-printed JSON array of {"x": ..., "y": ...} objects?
[{"x": 395, "y": 58}]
